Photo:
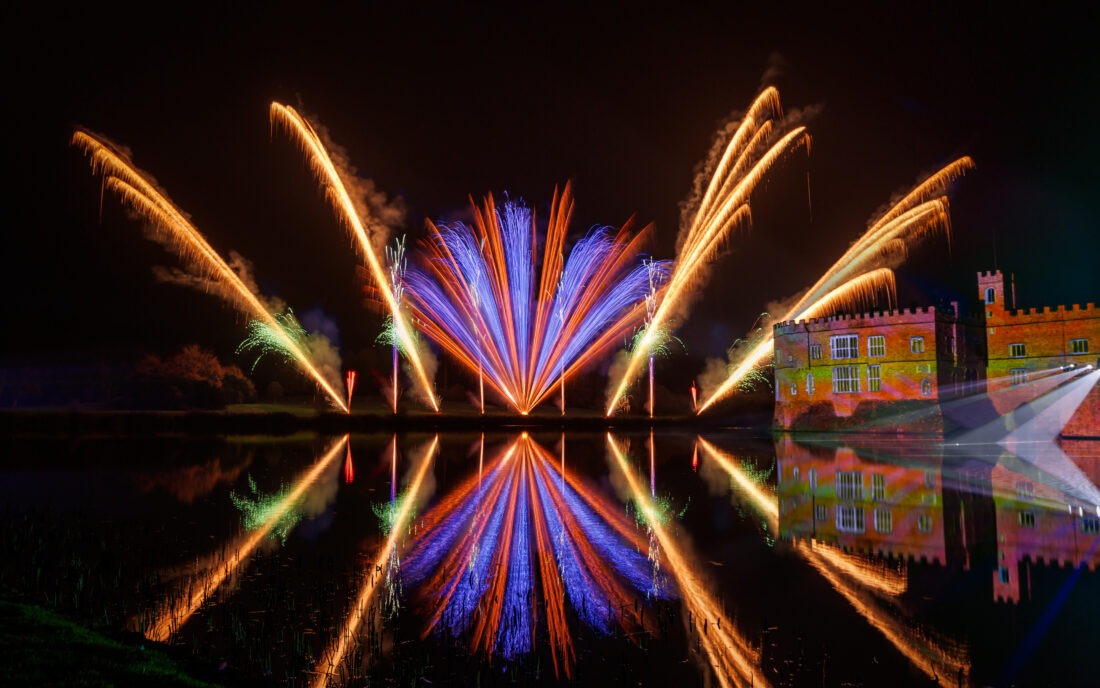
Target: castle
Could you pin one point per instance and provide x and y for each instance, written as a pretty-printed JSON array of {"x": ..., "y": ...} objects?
[{"x": 929, "y": 370}]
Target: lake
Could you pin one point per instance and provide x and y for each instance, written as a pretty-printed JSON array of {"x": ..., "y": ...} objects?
[{"x": 728, "y": 558}]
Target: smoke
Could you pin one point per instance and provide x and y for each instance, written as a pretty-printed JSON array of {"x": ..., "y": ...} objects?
[
  {"x": 773, "y": 70},
  {"x": 194, "y": 277},
  {"x": 619, "y": 365},
  {"x": 431, "y": 364},
  {"x": 380, "y": 213}
]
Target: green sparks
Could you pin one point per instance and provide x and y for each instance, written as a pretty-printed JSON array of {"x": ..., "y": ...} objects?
[
  {"x": 758, "y": 375},
  {"x": 277, "y": 339},
  {"x": 663, "y": 511},
  {"x": 387, "y": 513},
  {"x": 259, "y": 509}
]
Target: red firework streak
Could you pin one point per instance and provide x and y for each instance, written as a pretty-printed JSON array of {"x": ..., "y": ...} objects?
[
  {"x": 349, "y": 469},
  {"x": 350, "y": 380}
]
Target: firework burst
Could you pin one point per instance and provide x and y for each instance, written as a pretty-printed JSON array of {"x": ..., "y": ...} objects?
[{"x": 481, "y": 295}]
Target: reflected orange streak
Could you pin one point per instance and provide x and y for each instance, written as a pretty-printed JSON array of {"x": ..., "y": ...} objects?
[
  {"x": 334, "y": 653},
  {"x": 172, "y": 619},
  {"x": 727, "y": 652},
  {"x": 137, "y": 191},
  {"x": 485, "y": 629},
  {"x": 336, "y": 192}
]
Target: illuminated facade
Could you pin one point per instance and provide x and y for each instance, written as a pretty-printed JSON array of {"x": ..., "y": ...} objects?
[
  {"x": 899, "y": 371},
  {"x": 884, "y": 371},
  {"x": 1025, "y": 346}
]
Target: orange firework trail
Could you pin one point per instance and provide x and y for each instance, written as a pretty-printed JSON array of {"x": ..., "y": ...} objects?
[
  {"x": 337, "y": 193},
  {"x": 855, "y": 278},
  {"x": 858, "y": 581},
  {"x": 724, "y": 205},
  {"x": 334, "y": 654},
  {"x": 138, "y": 191},
  {"x": 177, "y": 613},
  {"x": 733, "y": 660}
]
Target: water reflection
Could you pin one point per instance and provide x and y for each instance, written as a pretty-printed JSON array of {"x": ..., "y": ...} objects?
[{"x": 523, "y": 536}]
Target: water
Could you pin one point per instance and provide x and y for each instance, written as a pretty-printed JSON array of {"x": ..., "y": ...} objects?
[{"x": 727, "y": 559}]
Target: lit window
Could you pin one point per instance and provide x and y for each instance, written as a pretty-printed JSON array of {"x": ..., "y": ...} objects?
[
  {"x": 878, "y": 488},
  {"x": 1016, "y": 350},
  {"x": 990, "y": 295},
  {"x": 844, "y": 346},
  {"x": 874, "y": 378},
  {"x": 813, "y": 478},
  {"x": 849, "y": 485},
  {"x": 1025, "y": 491},
  {"x": 1090, "y": 526},
  {"x": 846, "y": 379},
  {"x": 916, "y": 345},
  {"x": 849, "y": 518},
  {"x": 794, "y": 389},
  {"x": 794, "y": 473},
  {"x": 1078, "y": 346},
  {"x": 1004, "y": 574},
  {"x": 809, "y": 383},
  {"x": 876, "y": 345},
  {"x": 929, "y": 480},
  {"x": 1017, "y": 376},
  {"x": 1025, "y": 518},
  {"x": 924, "y": 523},
  {"x": 884, "y": 521},
  {"x": 926, "y": 387},
  {"x": 821, "y": 512},
  {"x": 815, "y": 352}
]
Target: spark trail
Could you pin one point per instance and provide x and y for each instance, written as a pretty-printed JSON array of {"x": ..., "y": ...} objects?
[
  {"x": 752, "y": 151},
  {"x": 858, "y": 274},
  {"x": 729, "y": 654},
  {"x": 177, "y": 613},
  {"x": 333, "y": 657},
  {"x": 483, "y": 297},
  {"x": 336, "y": 191},
  {"x": 137, "y": 190}
]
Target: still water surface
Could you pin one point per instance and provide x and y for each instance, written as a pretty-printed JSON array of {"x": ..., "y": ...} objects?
[{"x": 623, "y": 559}]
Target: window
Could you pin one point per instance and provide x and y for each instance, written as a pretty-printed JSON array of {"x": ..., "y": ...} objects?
[
  {"x": 916, "y": 345},
  {"x": 1025, "y": 491},
  {"x": 878, "y": 488},
  {"x": 876, "y": 345},
  {"x": 846, "y": 379},
  {"x": 929, "y": 480},
  {"x": 844, "y": 346},
  {"x": 1016, "y": 350},
  {"x": 821, "y": 512},
  {"x": 794, "y": 473},
  {"x": 1017, "y": 376},
  {"x": 874, "y": 378},
  {"x": 990, "y": 295},
  {"x": 1078, "y": 346},
  {"x": 924, "y": 523},
  {"x": 1004, "y": 574},
  {"x": 1090, "y": 526},
  {"x": 813, "y": 478},
  {"x": 926, "y": 387},
  {"x": 1025, "y": 518},
  {"x": 809, "y": 383},
  {"x": 794, "y": 389},
  {"x": 815, "y": 352},
  {"x": 849, "y": 518},
  {"x": 884, "y": 521},
  {"x": 849, "y": 485}
]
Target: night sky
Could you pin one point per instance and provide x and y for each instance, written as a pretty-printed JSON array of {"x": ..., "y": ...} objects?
[{"x": 435, "y": 104}]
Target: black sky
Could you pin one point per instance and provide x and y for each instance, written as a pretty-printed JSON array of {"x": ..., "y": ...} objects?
[{"x": 434, "y": 104}]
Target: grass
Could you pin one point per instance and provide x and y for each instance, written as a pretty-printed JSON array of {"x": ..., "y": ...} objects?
[{"x": 41, "y": 648}]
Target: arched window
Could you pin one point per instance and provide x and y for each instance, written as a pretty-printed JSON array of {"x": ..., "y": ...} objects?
[
  {"x": 925, "y": 387},
  {"x": 809, "y": 383},
  {"x": 990, "y": 295},
  {"x": 794, "y": 389}
]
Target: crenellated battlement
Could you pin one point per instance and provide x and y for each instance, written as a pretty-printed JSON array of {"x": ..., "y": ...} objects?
[
  {"x": 1056, "y": 312},
  {"x": 924, "y": 313},
  {"x": 989, "y": 274}
]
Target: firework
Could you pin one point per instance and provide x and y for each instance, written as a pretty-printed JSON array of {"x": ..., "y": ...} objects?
[
  {"x": 751, "y": 152},
  {"x": 356, "y": 221},
  {"x": 533, "y": 529},
  {"x": 277, "y": 339},
  {"x": 729, "y": 654},
  {"x": 396, "y": 263},
  {"x": 140, "y": 193},
  {"x": 482, "y": 297},
  {"x": 857, "y": 276},
  {"x": 349, "y": 384}
]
